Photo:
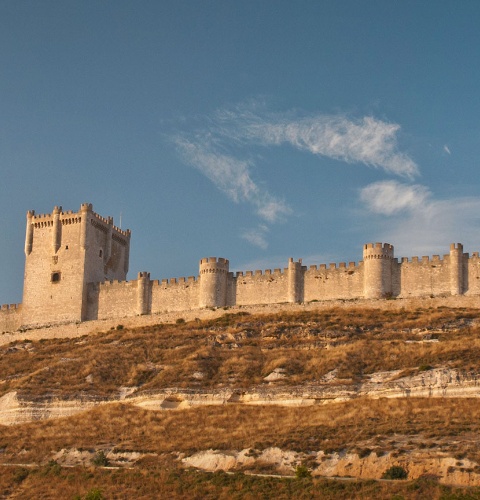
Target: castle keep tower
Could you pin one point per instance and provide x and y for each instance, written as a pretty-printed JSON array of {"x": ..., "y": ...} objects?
[
  {"x": 63, "y": 252},
  {"x": 213, "y": 282},
  {"x": 378, "y": 262}
]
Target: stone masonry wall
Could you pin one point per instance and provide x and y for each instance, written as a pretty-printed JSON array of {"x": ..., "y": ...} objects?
[
  {"x": 343, "y": 282},
  {"x": 473, "y": 275},
  {"x": 175, "y": 295},
  {"x": 260, "y": 287},
  {"x": 53, "y": 284},
  {"x": 117, "y": 299},
  {"x": 10, "y": 317},
  {"x": 424, "y": 277}
]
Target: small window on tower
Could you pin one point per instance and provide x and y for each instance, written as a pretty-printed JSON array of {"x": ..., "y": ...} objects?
[
  {"x": 100, "y": 253},
  {"x": 55, "y": 277}
]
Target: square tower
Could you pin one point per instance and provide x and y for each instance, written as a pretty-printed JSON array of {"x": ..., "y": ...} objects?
[{"x": 64, "y": 251}]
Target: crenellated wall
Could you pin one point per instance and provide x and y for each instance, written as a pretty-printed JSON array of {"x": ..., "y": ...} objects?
[
  {"x": 175, "y": 295},
  {"x": 258, "y": 287},
  {"x": 10, "y": 317},
  {"x": 332, "y": 282},
  {"x": 76, "y": 265}
]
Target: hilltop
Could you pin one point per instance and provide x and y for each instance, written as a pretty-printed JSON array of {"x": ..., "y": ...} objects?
[{"x": 341, "y": 391}]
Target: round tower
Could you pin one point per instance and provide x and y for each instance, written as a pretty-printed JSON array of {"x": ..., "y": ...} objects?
[
  {"x": 143, "y": 293},
  {"x": 456, "y": 269},
  {"x": 213, "y": 282},
  {"x": 377, "y": 262},
  {"x": 295, "y": 281},
  {"x": 85, "y": 209},
  {"x": 29, "y": 234},
  {"x": 57, "y": 229}
]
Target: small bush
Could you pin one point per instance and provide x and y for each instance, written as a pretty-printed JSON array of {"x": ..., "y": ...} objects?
[
  {"x": 180, "y": 321},
  {"x": 119, "y": 327},
  {"x": 425, "y": 368},
  {"x": 302, "y": 472},
  {"x": 20, "y": 475},
  {"x": 52, "y": 468},
  {"x": 395, "y": 472},
  {"x": 100, "y": 459}
]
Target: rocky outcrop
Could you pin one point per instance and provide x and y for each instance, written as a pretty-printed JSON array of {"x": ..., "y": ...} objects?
[
  {"x": 440, "y": 382},
  {"x": 15, "y": 409},
  {"x": 447, "y": 469}
]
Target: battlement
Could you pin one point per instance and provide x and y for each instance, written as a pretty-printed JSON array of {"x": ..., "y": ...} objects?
[
  {"x": 377, "y": 251},
  {"x": 213, "y": 260},
  {"x": 209, "y": 265},
  {"x": 106, "y": 222},
  {"x": 10, "y": 307},
  {"x": 76, "y": 251},
  {"x": 175, "y": 281},
  {"x": 71, "y": 217}
]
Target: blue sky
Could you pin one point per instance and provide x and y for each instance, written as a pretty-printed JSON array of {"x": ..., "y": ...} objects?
[{"x": 251, "y": 130}]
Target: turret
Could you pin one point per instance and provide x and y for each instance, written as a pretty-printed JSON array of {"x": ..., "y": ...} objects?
[
  {"x": 29, "y": 233},
  {"x": 295, "y": 281},
  {"x": 143, "y": 293},
  {"x": 456, "y": 269},
  {"x": 213, "y": 282},
  {"x": 378, "y": 261},
  {"x": 85, "y": 208},
  {"x": 128, "y": 234},
  {"x": 57, "y": 229}
]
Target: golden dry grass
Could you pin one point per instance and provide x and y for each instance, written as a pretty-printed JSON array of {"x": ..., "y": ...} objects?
[
  {"x": 451, "y": 423},
  {"x": 240, "y": 350},
  {"x": 156, "y": 482}
]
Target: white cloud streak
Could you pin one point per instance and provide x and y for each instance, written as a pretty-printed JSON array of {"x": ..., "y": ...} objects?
[
  {"x": 216, "y": 150},
  {"x": 367, "y": 141},
  {"x": 419, "y": 224},
  {"x": 232, "y": 176},
  {"x": 257, "y": 236},
  {"x": 391, "y": 197}
]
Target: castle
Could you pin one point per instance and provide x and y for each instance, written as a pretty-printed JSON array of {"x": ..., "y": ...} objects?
[{"x": 76, "y": 265}]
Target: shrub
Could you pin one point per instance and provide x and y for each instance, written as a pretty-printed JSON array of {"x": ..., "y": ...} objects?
[
  {"x": 425, "y": 368},
  {"x": 100, "y": 459},
  {"x": 302, "y": 472},
  {"x": 395, "y": 472},
  {"x": 20, "y": 475},
  {"x": 180, "y": 321}
]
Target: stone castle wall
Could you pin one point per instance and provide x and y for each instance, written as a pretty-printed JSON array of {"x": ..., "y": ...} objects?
[
  {"x": 76, "y": 266},
  {"x": 10, "y": 317}
]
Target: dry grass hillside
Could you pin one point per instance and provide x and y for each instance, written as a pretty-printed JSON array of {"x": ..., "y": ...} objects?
[
  {"x": 435, "y": 440},
  {"x": 241, "y": 350}
]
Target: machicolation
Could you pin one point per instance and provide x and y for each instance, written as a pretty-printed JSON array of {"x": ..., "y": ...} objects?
[{"x": 76, "y": 266}]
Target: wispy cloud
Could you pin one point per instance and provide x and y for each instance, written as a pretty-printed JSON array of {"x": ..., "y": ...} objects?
[
  {"x": 391, "y": 197},
  {"x": 368, "y": 141},
  {"x": 447, "y": 149},
  {"x": 232, "y": 176},
  {"x": 221, "y": 150},
  {"x": 257, "y": 236},
  {"x": 418, "y": 223}
]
